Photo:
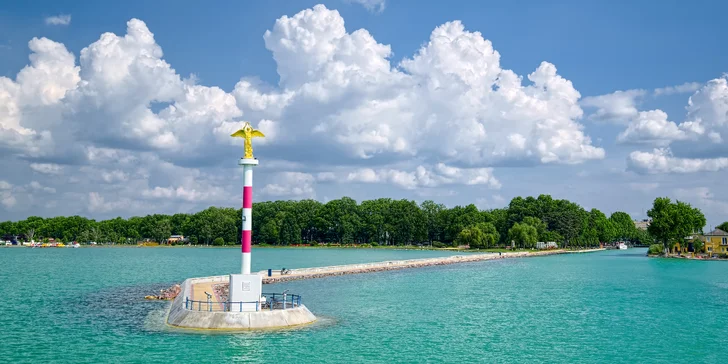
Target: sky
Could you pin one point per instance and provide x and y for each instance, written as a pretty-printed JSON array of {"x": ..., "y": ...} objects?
[{"x": 125, "y": 109}]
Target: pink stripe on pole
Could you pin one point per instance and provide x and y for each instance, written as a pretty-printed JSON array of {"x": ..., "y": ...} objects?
[
  {"x": 246, "y": 241},
  {"x": 248, "y": 197}
]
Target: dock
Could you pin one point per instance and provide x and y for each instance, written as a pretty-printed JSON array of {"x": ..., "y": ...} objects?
[{"x": 339, "y": 270}]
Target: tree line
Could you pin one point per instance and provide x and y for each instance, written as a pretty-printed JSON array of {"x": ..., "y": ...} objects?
[{"x": 383, "y": 221}]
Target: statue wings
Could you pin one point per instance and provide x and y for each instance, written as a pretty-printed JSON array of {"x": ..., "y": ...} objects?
[
  {"x": 254, "y": 133},
  {"x": 240, "y": 134}
]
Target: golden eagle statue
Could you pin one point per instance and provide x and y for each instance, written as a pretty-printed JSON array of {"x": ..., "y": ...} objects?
[{"x": 248, "y": 133}]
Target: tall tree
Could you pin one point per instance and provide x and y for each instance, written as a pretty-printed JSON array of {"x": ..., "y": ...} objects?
[
  {"x": 433, "y": 212},
  {"x": 538, "y": 224},
  {"x": 478, "y": 236},
  {"x": 673, "y": 222},
  {"x": 623, "y": 226},
  {"x": 723, "y": 226},
  {"x": 524, "y": 235}
]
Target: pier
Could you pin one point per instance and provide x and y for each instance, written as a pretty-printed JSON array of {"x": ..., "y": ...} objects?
[
  {"x": 204, "y": 302},
  {"x": 339, "y": 270}
]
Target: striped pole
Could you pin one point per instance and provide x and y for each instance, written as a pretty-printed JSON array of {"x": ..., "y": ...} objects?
[{"x": 247, "y": 212}]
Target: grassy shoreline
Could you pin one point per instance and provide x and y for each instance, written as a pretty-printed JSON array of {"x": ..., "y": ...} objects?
[{"x": 364, "y": 247}]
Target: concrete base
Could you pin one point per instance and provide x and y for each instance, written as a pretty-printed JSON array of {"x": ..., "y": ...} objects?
[
  {"x": 246, "y": 288},
  {"x": 179, "y": 316}
]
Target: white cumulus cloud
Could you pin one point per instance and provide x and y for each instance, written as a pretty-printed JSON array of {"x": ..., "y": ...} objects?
[
  {"x": 46, "y": 168},
  {"x": 63, "y": 19},
  {"x": 295, "y": 185},
  {"x": 371, "y": 5},
  {"x": 36, "y": 186},
  {"x": 121, "y": 122},
  {"x": 686, "y": 87},
  {"x": 423, "y": 177},
  {"x": 451, "y": 100},
  {"x": 618, "y": 107},
  {"x": 661, "y": 161},
  {"x": 652, "y": 127},
  {"x": 705, "y": 124}
]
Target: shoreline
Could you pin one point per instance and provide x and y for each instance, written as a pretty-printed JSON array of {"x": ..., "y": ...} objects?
[
  {"x": 384, "y": 247},
  {"x": 684, "y": 257}
]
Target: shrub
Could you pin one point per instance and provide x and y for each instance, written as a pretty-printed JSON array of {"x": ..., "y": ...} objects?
[
  {"x": 437, "y": 244},
  {"x": 374, "y": 243},
  {"x": 218, "y": 242},
  {"x": 655, "y": 249}
]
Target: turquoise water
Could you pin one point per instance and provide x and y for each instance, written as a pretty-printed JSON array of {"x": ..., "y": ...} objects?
[{"x": 84, "y": 305}]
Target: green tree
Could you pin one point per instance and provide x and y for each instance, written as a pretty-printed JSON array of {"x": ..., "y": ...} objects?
[
  {"x": 290, "y": 231},
  {"x": 673, "y": 222},
  {"x": 567, "y": 219},
  {"x": 471, "y": 236},
  {"x": 212, "y": 223},
  {"x": 490, "y": 234},
  {"x": 373, "y": 215},
  {"x": 723, "y": 226},
  {"x": 340, "y": 219},
  {"x": 270, "y": 232},
  {"x": 524, "y": 235},
  {"x": 539, "y": 224},
  {"x": 479, "y": 236},
  {"x": 599, "y": 228},
  {"x": 409, "y": 223},
  {"x": 432, "y": 212},
  {"x": 305, "y": 211},
  {"x": 697, "y": 245},
  {"x": 624, "y": 228},
  {"x": 383, "y": 221}
]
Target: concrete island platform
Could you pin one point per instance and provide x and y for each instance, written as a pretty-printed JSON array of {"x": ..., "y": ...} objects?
[{"x": 192, "y": 309}]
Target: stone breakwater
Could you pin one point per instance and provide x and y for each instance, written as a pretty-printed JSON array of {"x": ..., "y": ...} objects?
[{"x": 321, "y": 272}]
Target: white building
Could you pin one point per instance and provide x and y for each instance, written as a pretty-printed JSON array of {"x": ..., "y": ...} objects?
[
  {"x": 643, "y": 224},
  {"x": 548, "y": 245}
]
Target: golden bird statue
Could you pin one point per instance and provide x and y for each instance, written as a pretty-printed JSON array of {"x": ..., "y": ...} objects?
[{"x": 248, "y": 133}]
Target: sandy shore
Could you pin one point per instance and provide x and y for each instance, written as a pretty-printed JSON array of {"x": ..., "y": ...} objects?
[{"x": 339, "y": 270}]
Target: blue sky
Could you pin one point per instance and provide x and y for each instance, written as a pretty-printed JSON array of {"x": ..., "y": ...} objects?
[{"x": 600, "y": 47}]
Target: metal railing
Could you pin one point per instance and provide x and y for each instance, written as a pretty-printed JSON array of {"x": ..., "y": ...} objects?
[{"x": 273, "y": 301}]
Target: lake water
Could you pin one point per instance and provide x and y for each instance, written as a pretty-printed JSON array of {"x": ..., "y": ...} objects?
[{"x": 85, "y": 305}]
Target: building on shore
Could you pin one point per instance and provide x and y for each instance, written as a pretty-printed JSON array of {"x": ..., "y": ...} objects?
[
  {"x": 716, "y": 242},
  {"x": 642, "y": 224},
  {"x": 546, "y": 245},
  {"x": 174, "y": 239}
]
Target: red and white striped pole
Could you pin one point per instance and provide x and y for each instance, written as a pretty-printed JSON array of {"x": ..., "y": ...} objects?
[{"x": 247, "y": 211}]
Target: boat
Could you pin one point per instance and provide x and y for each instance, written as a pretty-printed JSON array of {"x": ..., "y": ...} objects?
[{"x": 622, "y": 246}]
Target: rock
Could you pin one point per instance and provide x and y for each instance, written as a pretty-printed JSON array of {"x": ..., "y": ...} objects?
[{"x": 166, "y": 294}]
